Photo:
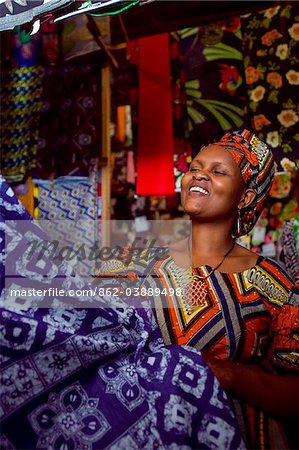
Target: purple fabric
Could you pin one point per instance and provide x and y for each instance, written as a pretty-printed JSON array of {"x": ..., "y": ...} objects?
[{"x": 99, "y": 378}]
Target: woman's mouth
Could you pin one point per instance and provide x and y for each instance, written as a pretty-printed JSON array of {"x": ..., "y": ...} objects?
[{"x": 198, "y": 190}]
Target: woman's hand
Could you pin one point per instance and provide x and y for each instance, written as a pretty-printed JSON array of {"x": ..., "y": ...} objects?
[
  {"x": 225, "y": 371},
  {"x": 276, "y": 394}
]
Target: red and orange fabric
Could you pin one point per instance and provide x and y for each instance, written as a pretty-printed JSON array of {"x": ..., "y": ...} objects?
[{"x": 257, "y": 168}]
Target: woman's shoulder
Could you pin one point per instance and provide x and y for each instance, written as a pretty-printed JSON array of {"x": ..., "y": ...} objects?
[
  {"x": 271, "y": 279},
  {"x": 268, "y": 265},
  {"x": 275, "y": 269}
]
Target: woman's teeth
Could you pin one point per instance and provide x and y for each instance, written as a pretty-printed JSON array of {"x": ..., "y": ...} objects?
[{"x": 198, "y": 189}]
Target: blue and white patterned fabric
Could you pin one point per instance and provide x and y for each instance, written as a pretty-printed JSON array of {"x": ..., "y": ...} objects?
[
  {"x": 95, "y": 378},
  {"x": 68, "y": 208}
]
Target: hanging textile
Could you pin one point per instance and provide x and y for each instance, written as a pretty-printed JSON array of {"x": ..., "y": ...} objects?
[
  {"x": 50, "y": 52},
  {"x": 77, "y": 41},
  {"x": 70, "y": 207},
  {"x": 270, "y": 46},
  {"x": 130, "y": 167},
  {"x": 70, "y": 198},
  {"x": 288, "y": 254},
  {"x": 208, "y": 82},
  {"x": 207, "y": 85},
  {"x": 25, "y": 49},
  {"x": 70, "y": 121},
  {"x": 20, "y": 94},
  {"x": 155, "y": 132},
  {"x": 120, "y": 126}
]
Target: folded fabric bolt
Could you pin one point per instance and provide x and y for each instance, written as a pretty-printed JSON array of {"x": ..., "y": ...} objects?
[
  {"x": 18, "y": 12},
  {"x": 99, "y": 8}
]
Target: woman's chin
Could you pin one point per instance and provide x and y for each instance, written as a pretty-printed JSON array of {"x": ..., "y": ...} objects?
[{"x": 193, "y": 213}]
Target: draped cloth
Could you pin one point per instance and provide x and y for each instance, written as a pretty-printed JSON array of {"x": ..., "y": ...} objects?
[
  {"x": 69, "y": 135},
  {"x": 288, "y": 254},
  {"x": 96, "y": 377},
  {"x": 270, "y": 49}
]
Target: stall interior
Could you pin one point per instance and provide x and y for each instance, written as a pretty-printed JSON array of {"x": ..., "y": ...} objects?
[{"x": 72, "y": 150}]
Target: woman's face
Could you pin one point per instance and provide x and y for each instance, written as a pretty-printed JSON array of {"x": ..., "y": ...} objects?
[{"x": 213, "y": 186}]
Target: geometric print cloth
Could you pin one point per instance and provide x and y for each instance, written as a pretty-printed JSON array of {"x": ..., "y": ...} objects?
[
  {"x": 68, "y": 210},
  {"x": 287, "y": 251},
  {"x": 20, "y": 103},
  {"x": 256, "y": 163},
  {"x": 69, "y": 135},
  {"x": 92, "y": 378},
  {"x": 70, "y": 198},
  {"x": 261, "y": 294}
]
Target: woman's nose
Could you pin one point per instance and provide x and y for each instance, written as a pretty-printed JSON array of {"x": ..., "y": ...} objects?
[{"x": 200, "y": 174}]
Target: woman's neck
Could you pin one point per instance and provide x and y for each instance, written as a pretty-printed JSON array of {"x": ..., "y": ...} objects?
[
  {"x": 209, "y": 243},
  {"x": 210, "y": 239}
]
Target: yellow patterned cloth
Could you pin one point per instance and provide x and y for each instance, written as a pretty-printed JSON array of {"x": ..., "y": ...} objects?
[{"x": 20, "y": 96}]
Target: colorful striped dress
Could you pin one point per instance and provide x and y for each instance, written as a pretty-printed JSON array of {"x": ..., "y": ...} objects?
[{"x": 245, "y": 317}]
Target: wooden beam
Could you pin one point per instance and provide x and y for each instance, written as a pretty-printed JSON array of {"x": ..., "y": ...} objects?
[
  {"x": 106, "y": 153},
  {"x": 96, "y": 34}
]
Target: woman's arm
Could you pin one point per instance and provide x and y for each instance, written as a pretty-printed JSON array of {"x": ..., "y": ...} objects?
[{"x": 275, "y": 394}]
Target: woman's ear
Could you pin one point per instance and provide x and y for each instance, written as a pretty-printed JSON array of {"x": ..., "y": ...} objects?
[{"x": 247, "y": 198}]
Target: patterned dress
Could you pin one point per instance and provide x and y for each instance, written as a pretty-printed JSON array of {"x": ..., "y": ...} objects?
[
  {"x": 246, "y": 317},
  {"x": 234, "y": 320}
]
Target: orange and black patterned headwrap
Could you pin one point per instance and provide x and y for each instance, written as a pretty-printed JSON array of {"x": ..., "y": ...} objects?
[{"x": 257, "y": 167}]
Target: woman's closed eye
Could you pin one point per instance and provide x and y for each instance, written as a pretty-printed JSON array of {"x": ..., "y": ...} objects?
[
  {"x": 216, "y": 171},
  {"x": 219, "y": 172}
]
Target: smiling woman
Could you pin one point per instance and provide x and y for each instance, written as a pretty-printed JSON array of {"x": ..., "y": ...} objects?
[
  {"x": 213, "y": 186},
  {"x": 236, "y": 308},
  {"x": 234, "y": 303}
]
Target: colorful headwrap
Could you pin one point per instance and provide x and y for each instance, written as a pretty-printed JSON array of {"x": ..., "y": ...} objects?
[{"x": 257, "y": 167}]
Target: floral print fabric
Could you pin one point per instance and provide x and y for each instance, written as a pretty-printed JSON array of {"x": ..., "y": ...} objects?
[
  {"x": 270, "y": 48},
  {"x": 209, "y": 95},
  {"x": 240, "y": 72}
]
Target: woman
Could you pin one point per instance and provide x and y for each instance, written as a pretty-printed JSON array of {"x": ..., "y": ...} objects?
[{"x": 233, "y": 305}]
